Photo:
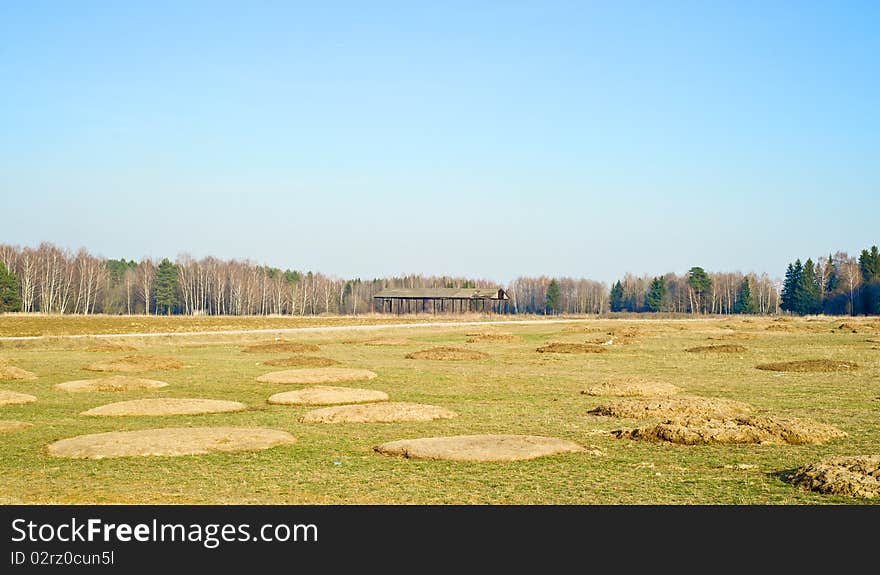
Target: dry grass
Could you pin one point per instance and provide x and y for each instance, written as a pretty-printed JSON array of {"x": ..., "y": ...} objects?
[
  {"x": 169, "y": 441},
  {"x": 515, "y": 391},
  {"x": 165, "y": 406},
  {"x": 281, "y": 347},
  {"x": 447, "y": 354},
  {"x": 301, "y": 361},
  {"x": 317, "y": 375},
  {"x": 857, "y": 476},
  {"x": 810, "y": 365},
  {"x": 479, "y": 447},
  {"x": 327, "y": 395},
  {"x": 102, "y": 347},
  {"x": 561, "y": 347},
  {"x": 135, "y": 364},
  {"x": 717, "y": 349},
  {"x": 673, "y": 408},
  {"x": 112, "y": 383},
  {"x": 393, "y": 412}
]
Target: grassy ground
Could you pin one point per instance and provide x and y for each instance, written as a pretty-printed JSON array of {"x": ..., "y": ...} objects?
[{"x": 514, "y": 390}]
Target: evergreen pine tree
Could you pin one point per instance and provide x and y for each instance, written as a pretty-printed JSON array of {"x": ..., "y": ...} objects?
[
  {"x": 789, "y": 294},
  {"x": 617, "y": 296},
  {"x": 744, "y": 301},
  {"x": 833, "y": 278},
  {"x": 551, "y": 303},
  {"x": 700, "y": 283},
  {"x": 655, "y": 295},
  {"x": 809, "y": 290},
  {"x": 10, "y": 300},
  {"x": 165, "y": 286}
]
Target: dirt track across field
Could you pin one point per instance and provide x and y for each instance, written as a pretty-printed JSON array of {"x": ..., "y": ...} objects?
[{"x": 299, "y": 329}]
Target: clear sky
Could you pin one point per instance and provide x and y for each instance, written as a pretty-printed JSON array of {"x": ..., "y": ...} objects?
[{"x": 489, "y": 139}]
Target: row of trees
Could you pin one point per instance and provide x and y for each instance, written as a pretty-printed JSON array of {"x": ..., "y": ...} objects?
[
  {"x": 838, "y": 284},
  {"x": 49, "y": 279},
  {"x": 696, "y": 292},
  {"x": 52, "y": 280}
]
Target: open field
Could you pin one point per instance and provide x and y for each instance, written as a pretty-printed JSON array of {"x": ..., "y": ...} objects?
[{"x": 513, "y": 389}]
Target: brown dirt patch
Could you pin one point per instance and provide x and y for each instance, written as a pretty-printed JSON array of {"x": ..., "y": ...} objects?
[
  {"x": 857, "y": 476},
  {"x": 170, "y": 441},
  {"x": 674, "y": 408},
  {"x": 112, "y": 383},
  {"x": 281, "y": 347},
  {"x": 6, "y": 426},
  {"x": 327, "y": 395},
  {"x": 110, "y": 347},
  {"x": 560, "y": 347},
  {"x": 10, "y": 372},
  {"x": 633, "y": 388},
  {"x": 317, "y": 375},
  {"x": 778, "y": 327},
  {"x": 729, "y": 336},
  {"x": 378, "y": 413},
  {"x": 717, "y": 349},
  {"x": 810, "y": 365},
  {"x": 165, "y": 406},
  {"x": 737, "y": 430},
  {"x": 301, "y": 361},
  {"x": 135, "y": 364},
  {"x": 448, "y": 354},
  {"x": 14, "y": 398},
  {"x": 388, "y": 341},
  {"x": 492, "y": 336},
  {"x": 479, "y": 447}
]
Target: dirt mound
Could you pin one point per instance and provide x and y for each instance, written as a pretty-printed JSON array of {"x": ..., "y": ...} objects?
[
  {"x": 492, "y": 336},
  {"x": 135, "y": 364},
  {"x": 632, "y": 388},
  {"x": 582, "y": 329},
  {"x": 13, "y": 398},
  {"x": 559, "y": 347},
  {"x": 317, "y": 375},
  {"x": 112, "y": 383},
  {"x": 447, "y": 353},
  {"x": 737, "y": 430},
  {"x": 110, "y": 347},
  {"x": 674, "y": 408},
  {"x": 389, "y": 341},
  {"x": 169, "y": 441},
  {"x": 10, "y": 372},
  {"x": 854, "y": 476},
  {"x": 327, "y": 395},
  {"x": 378, "y": 413},
  {"x": 281, "y": 347},
  {"x": 728, "y": 336},
  {"x": 810, "y": 365},
  {"x": 717, "y": 349},
  {"x": 6, "y": 426},
  {"x": 778, "y": 327},
  {"x": 165, "y": 406},
  {"x": 301, "y": 361},
  {"x": 479, "y": 447}
]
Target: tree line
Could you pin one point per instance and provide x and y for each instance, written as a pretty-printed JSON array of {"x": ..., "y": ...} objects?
[
  {"x": 837, "y": 285},
  {"x": 50, "y": 279}
]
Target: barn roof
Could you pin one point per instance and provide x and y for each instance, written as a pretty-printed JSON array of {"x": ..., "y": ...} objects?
[{"x": 441, "y": 293}]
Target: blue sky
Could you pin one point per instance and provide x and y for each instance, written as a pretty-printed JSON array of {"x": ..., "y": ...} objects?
[{"x": 489, "y": 139}]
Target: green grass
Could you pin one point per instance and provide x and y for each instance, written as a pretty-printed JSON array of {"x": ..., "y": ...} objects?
[{"x": 515, "y": 390}]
